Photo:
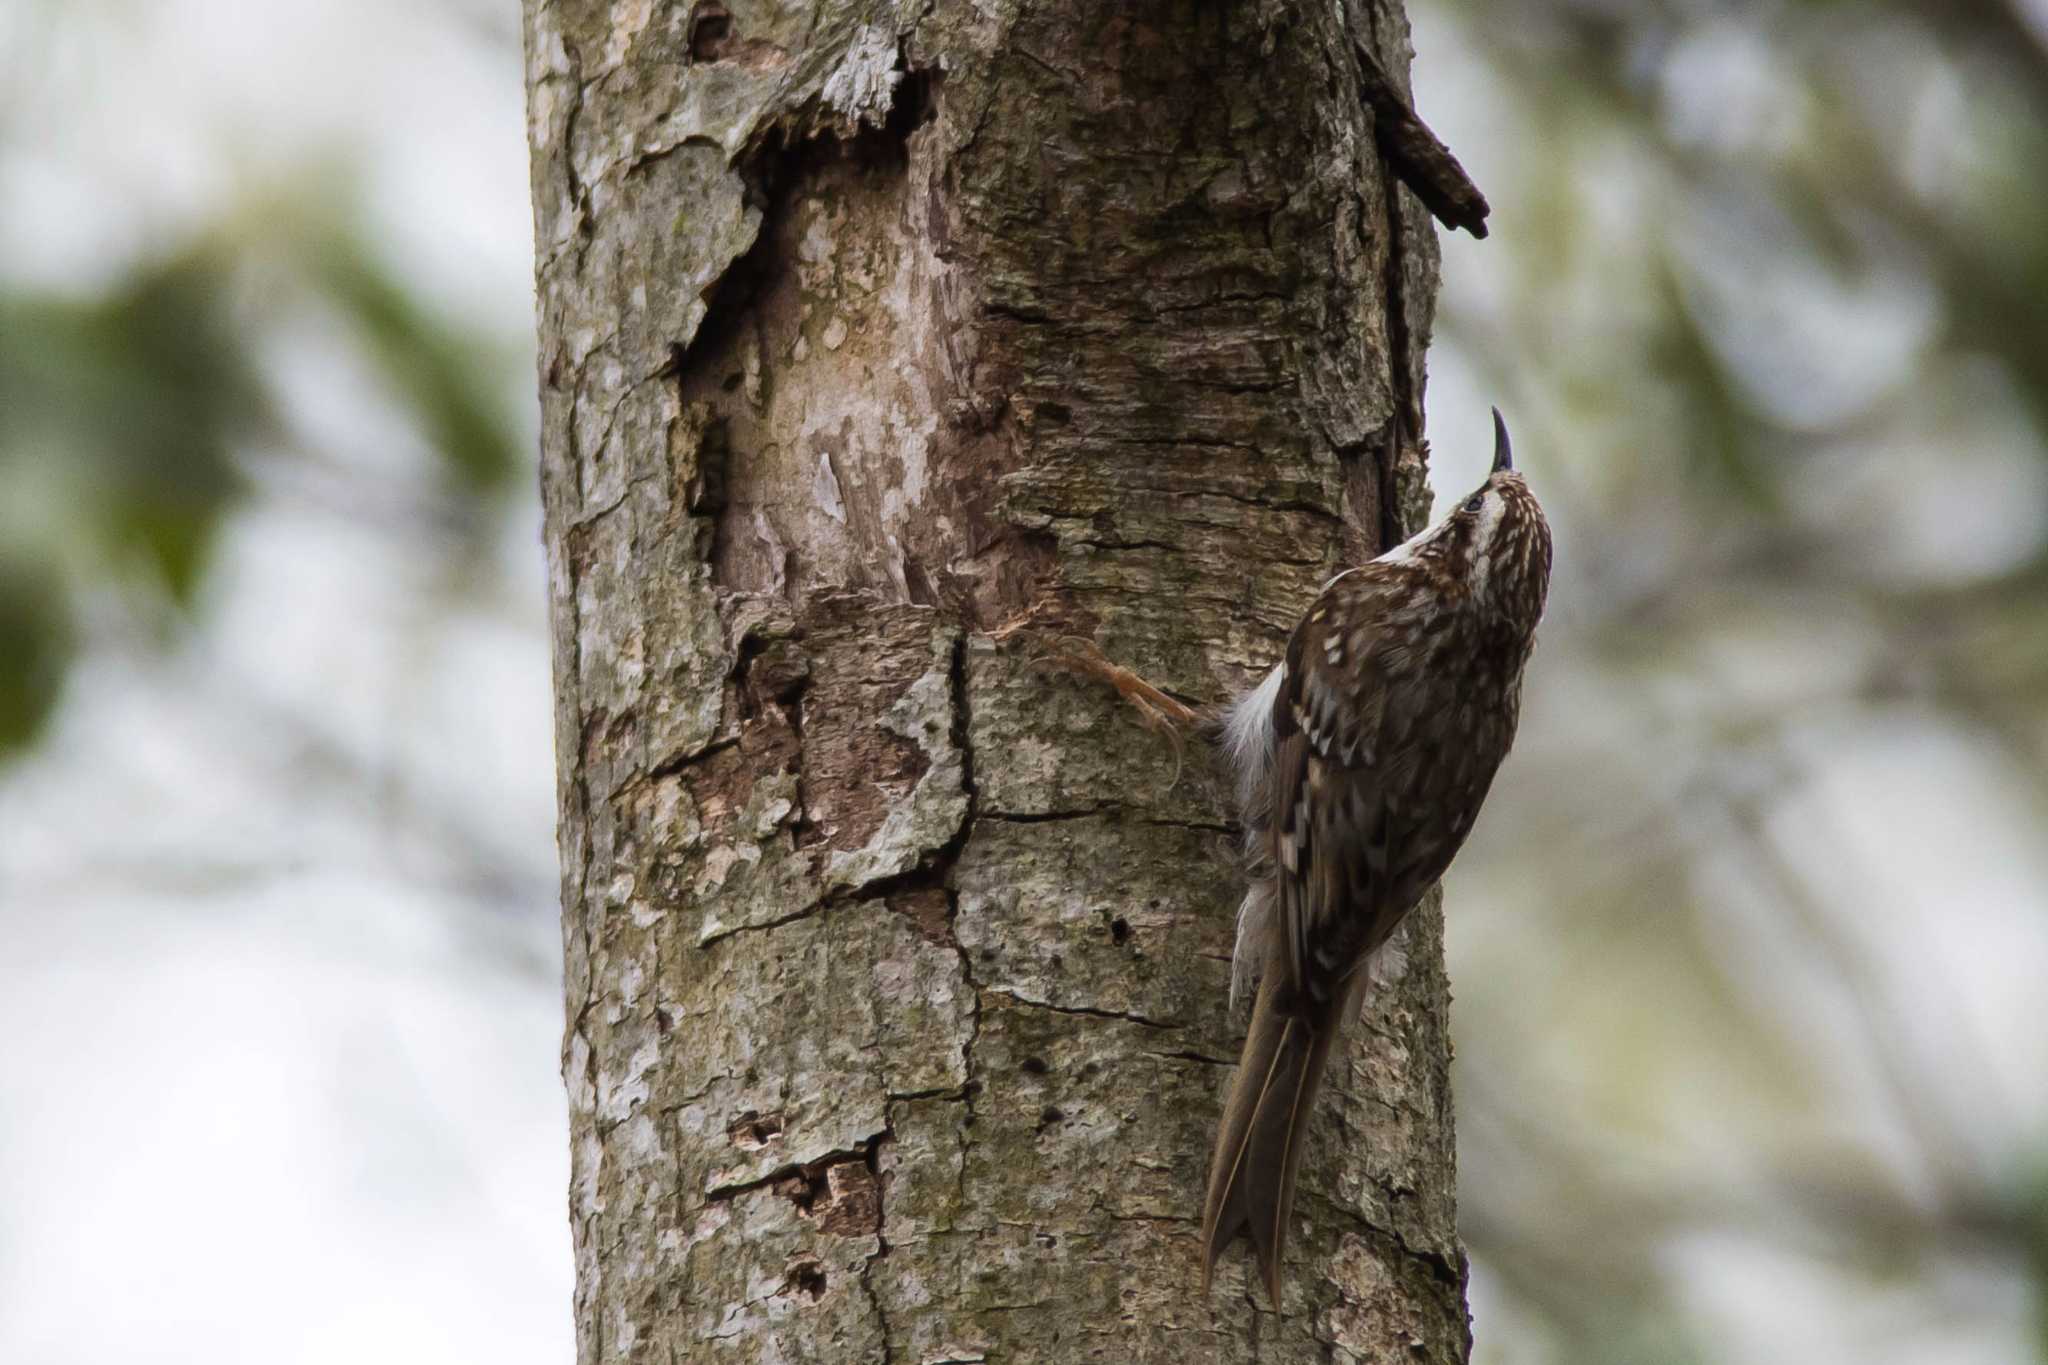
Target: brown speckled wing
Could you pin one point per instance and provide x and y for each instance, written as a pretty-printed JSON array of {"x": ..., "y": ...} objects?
[{"x": 1330, "y": 816}]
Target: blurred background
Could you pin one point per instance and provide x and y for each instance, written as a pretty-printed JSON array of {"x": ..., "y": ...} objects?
[{"x": 1750, "y": 949}]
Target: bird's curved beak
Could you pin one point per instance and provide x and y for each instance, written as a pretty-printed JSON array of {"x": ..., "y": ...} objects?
[{"x": 1503, "y": 454}]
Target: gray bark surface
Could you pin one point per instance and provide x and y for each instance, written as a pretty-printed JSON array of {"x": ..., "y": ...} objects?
[{"x": 880, "y": 347}]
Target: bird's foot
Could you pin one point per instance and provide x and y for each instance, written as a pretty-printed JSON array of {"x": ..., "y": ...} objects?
[{"x": 1157, "y": 711}]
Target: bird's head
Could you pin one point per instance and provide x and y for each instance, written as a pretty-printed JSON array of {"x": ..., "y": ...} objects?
[{"x": 1495, "y": 542}]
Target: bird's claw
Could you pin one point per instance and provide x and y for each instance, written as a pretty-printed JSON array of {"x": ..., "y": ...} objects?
[{"x": 1157, "y": 711}]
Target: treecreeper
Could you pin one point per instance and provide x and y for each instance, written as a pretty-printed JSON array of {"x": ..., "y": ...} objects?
[{"x": 1361, "y": 760}]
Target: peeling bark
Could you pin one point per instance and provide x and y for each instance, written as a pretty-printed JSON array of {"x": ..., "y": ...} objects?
[{"x": 881, "y": 346}]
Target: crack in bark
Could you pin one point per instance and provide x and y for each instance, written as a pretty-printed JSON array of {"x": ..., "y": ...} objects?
[
  {"x": 1187, "y": 1056},
  {"x": 676, "y": 764},
  {"x": 867, "y": 1266},
  {"x": 963, "y": 740},
  {"x": 1119, "y": 809},
  {"x": 811, "y": 911},
  {"x": 1098, "y": 544},
  {"x": 1051, "y": 817},
  {"x": 1088, "y": 1011},
  {"x": 579, "y": 193},
  {"x": 861, "y": 1152},
  {"x": 1442, "y": 1269},
  {"x": 1294, "y": 505},
  {"x": 955, "y": 1094},
  {"x": 1405, "y": 424}
]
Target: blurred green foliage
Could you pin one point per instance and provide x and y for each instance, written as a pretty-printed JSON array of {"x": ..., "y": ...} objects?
[
  {"x": 127, "y": 417},
  {"x": 121, "y": 416},
  {"x": 448, "y": 377},
  {"x": 1771, "y": 319}
]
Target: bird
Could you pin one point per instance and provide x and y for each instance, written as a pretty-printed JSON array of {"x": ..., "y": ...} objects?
[{"x": 1361, "y": 760}]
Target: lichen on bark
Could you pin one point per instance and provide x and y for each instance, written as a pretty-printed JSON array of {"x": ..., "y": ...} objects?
[{"x": 881, "y": 346}]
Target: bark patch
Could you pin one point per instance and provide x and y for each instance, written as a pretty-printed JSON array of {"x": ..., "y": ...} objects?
[
  {"x": 884, "y": 780},
  {"x": 848, "y": 435}
]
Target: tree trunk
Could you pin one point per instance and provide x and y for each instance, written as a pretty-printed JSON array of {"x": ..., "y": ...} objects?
[{"x": 879, "y": 350}]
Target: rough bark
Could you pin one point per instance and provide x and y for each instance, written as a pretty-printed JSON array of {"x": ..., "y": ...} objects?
[{"x": 879, "y": 347}]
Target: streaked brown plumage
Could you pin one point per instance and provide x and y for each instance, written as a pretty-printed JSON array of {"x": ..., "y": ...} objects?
[{"x": 1362, "y": 760}]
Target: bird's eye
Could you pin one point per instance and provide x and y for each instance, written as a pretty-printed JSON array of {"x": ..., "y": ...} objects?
[{"x": 1475, "y": 502}]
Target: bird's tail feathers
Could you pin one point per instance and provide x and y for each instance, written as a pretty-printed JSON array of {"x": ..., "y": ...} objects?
[{"x": 1265, "y": 1122}]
